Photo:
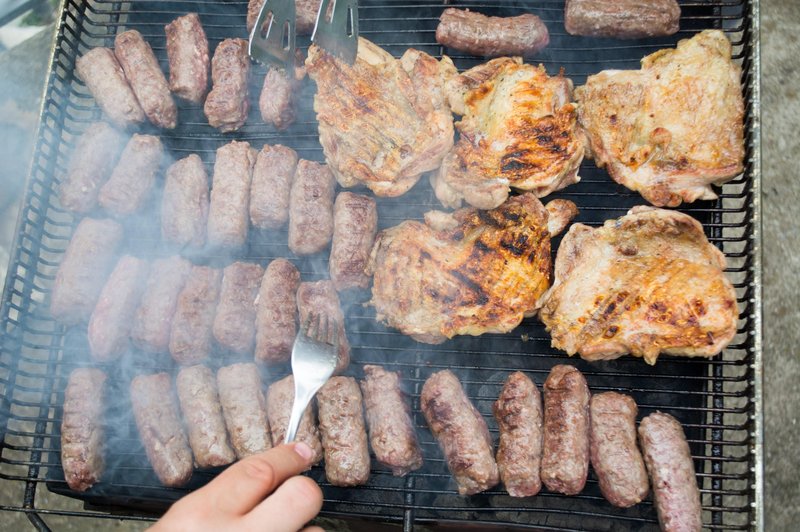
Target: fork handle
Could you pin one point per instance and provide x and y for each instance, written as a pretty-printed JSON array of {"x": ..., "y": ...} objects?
[{"x": 301, "y": 400}]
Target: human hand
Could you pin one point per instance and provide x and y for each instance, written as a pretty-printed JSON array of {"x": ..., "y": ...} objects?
[{"x": 261, "y": 493}]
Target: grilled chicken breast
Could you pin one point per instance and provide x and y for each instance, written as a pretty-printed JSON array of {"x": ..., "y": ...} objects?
[
  {"x": 673, "y": 128},
  {"x": 644, "y": 284},
  {"x": 467, "y": 272}
]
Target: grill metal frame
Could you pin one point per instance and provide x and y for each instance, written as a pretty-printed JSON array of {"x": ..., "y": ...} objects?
[{"x": 719, "y": 401}]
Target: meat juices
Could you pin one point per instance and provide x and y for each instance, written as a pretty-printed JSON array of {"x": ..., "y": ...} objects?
[
  {"x": 99, "y": 70},
  {"x": 234, "y": 324},
  {"x": 190, "y": 331},
  {"x": 622, "y": 19},
  {"x": 669, "y": 463},
  {"x": 244, "y": 408},
  {"x": 391, "y": 429},
  {"x": 153, "y": 321},
  {"x": 311, "y": 208},
  {"x": 518, "y": 412},
  {"x": 272, "y": 181},
  {"x": 187, "y": 50},
  {"x": 276, "y": 102},
  {"x": 615, "y": 456},
  {"x": 110, "y": 325},
  {"x": 280, "y": 398},
  {"x": 197, "y": 393},
  {"x": 228, "y": 222},
  {"x": 160, "y": 429},
  {"x": 92, "y": 161},
  {"x": 184, "y": 204},
  {"x": 565, "y": 455},
  {"x": 82, "y": 430},
  {"x": 477, "y": 34},
  {"x": 276, "y": 308},
  {"x": 227, "y": 104},
  {"x": 146, "y": 78},
  {"x": 320, "y": 297},
  {"x": 344, "y": 437},
  {"x": 305, "y": 18},
  {"x": 87, "y": 263},
  {"x": 355, "y": 224},
  {"x": 131, "y": 183},
  {"x": 461, "y": 432}
]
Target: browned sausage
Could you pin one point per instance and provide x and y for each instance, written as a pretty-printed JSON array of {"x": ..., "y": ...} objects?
[
  {"x": 355, "y": 224},
  {"x": 320, "y": 297},
  {"x": 244, "y": 408},
  {"x": 187, "y": 50},
  {"x": 305, "y": 15},
  {"x": 622, "y": 19},
  {"x": 277, "y": 100},
  {"x": 190, "y": 331},
  {"x": 235, "y": 321},
  {"x": 272, "y": 180},
  {"x": 82, "y": 428},
  {"x": 99, "y": 70},
  {"x": 311, "y": 208},
  {"x": 276, "y": 308},
  {"x": 184, "y": 204},
  {"x": 477, "y": 34},
  {"x": 131, "y": 183},
  {"x": 228, "y": 221},
  {"x": 280, "y": 398},
  {"x": 227, "y": 104}
]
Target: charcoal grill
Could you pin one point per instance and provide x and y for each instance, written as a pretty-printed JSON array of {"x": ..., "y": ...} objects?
[{"x": 718, "y": 401}]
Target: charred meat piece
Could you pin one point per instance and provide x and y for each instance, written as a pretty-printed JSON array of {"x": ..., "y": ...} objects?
[
  {"x": 228, "y": 221},
  {"x": 355, "y": 224},
  {"x": 131, "y": 183},
  {"x": 646, "y": 283},
  {"x": 622, "y": 19},
  {"x": 82, "y": 428},
  {"x": 276, "y": 308},
  {"x": 311, "y": 208},
  {"x": 277, "y": 100},
  {"x": 305, "y": 19},
  {"x": 320, "y": 297},
  {"x": 273, "y": 175},
  {"x": 477, "y": 34},
  {"x": 461, "y": 432},
  {"x": 99, "y": 70},
  {"x": 190, "y": 331},
  {"x": 280, "y": 398},
  {"x": 187, "y": 50},
  {"x": 234, "y": 323},
  {"x": 244, "y": 408},
  {"x": 184, "y": 204},
  {"x": 227, "y": 104}
]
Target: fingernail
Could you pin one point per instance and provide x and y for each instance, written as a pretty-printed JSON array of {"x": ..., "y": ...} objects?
[{"x": 303, "y": 450}]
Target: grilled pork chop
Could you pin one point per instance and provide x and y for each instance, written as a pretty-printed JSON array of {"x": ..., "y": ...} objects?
[
  {"x": 518, "y": 130},
  {"x": 383, "y": 122},
  {"x": 672, "y": 128},
  {"x": 467, "y": 272},
  {"x": 644, "y": 284}
]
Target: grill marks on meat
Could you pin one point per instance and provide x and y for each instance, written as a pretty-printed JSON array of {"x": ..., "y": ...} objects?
[
  {"x": 234, "y": 323},
  {"x": 280, "y": 398},
  {"x": 82, "y": 430},
  {"x": 228, "y": 220},
  {"x": 184, "y": 204},
  {"x": 355, "y": 224},
  {"x": 673, "y": 128},
  {"x": 477, "y": 34},
  {"x": 131, "y": 184},
  {"x": 192, "y": 324},
  {"x": 187, "y": 50},
  {"x": 276, "y": 307},
  {"x": 99, "y": 70},
  {"x": 227, "y": 104},
  {"x": 311, "y": 208},
  {"x": 622, "y": 19},
  {"x": 644, "y": 284},
  {"x": 320, "y": 297},
  {"x": 244, "y": 408},
  {"x": 273, "y": 175}
]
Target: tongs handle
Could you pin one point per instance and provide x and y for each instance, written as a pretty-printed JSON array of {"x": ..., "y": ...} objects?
[{"x": 275, "y": 43}]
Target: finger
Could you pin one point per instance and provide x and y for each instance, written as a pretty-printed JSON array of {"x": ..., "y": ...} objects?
[
  {"x": 296, "y": 502},
  {"x": 313, "y": 529}
]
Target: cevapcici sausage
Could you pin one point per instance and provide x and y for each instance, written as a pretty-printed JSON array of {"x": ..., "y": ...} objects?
[
  {"x": 197, "y": 393},
  {"x": 391, "y": 429},
  {"x": 280, "y": 398},
  {"x": 190, "y": 332},
  {"x": 272, "y": 180},
  {"x": 276, "y": 102},
  {"x": 320, "y": 297},
  {"x": 565, "y": 456},
  {"x": 184, "y": 204},
  {"x": 110, "y": 325},
  {"x": 480, "y": 35},
  {"x": 305, "y": 15},
  {"x": 146, "y": 78},
  {"x": 92, "y": 161},
  {"x": 518, "y": 412},
  {"x": 82, "y": 431},
  {"x": 355, "y": 224},
  {"x": 615, "y": 456},
  {"x": 461, "y": 432},
  {"x": 99, "y": 70},
  {"x": 622, "y": 19},
  {"x": 187, "y": 50},
  {"x": 276, "y": 308},
  {"x": 87, "y": 263},
  {"x": 228, "y": 220},
  {"x": 131, "y": 183},
  {"x": 244, "y": 408},
  {"x": 227, "y": 104},
  {"x": 159, "y": 422},
  {"x": 311, "y": 208},
  {"x": 344, "y": 437},
  {"x": 234, "y": 324},
  {"x": 669, "y": 462}
]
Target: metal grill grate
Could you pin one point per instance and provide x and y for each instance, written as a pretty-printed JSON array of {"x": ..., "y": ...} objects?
[{"x": 717, "y": 400}]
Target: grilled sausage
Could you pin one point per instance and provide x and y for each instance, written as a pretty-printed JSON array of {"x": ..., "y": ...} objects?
[
  {"x": 478, "y": 34},
  {"x": 669, "y": 463},
  {"x": 92, "y": 161},
  {"x": 184, "y": 204},
  {"x": 131, "y": 183},
  {"x": 615, "y": 456},
  {"x": 518, "y": 412},
  {"x": 230, "y": 196},
  {"x": 277, "y": 100},
  {"x": 320, "y": 297},
  {"x": 146, "y": 78},
  {"x": 153, "y": 321},
  {"x": 187, "y": 50},
  {"x": 160, "y": 429},
  {"x": 82, "y": 430},
  {"x": 305, "y": 15},
  {"x": 197, "y": 393},
  {"x": 280, "y": 398},
  {"x": 110, "y": 325},
  {"x": 190, "y": 331},
  {"x": 311, "y": 208},
  {"x": 344, "y": 437},
  {"x": 244, "y": 408},
  {"x": 622, "y": 19},
  {"x": 355, "y": 224},
  {"x": 391, "y": 429},
  {"x": 234, "y": 324},
  {"x": 87, "y": 263},
  {"x": 227, "y": 104},
  {"x": 276, "y": 308},
  {"x": 99, "y": 70},
  {"x": 272, "y": 180},
  {"x": 461, "y": 432},
  {"x": 565, "y": 455}
]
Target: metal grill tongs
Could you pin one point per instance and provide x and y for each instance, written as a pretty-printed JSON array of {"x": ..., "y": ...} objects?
[{"x": 272, "y": 39}]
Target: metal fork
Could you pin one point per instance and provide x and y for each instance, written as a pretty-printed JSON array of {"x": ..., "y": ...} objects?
[{"x": 314, "y": 356}]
